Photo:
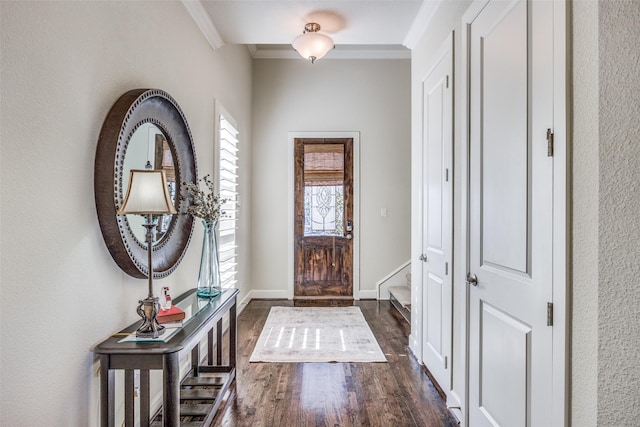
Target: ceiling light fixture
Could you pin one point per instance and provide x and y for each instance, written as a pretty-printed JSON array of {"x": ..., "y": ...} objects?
[{"x": 312, "y": 45}]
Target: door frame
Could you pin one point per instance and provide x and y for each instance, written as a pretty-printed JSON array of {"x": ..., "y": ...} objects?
[
  {"x": 291, "y": 205},
  {"x": 560, "y": 219}
]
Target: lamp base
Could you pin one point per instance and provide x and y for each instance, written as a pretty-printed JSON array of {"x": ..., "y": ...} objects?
[{"x": 148, "y": 311}]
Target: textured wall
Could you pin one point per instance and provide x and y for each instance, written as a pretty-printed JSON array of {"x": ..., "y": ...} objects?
[
  {"x": 63, "y": 65},
  {"x": 619, "y": 221},
  {"x": 585, "y": 214}
]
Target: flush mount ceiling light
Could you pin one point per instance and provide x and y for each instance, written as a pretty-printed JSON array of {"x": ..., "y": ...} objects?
[{"x": 312, "y": 45}]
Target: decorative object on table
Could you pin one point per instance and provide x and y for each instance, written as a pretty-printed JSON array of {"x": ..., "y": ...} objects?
[
  {"x": 174, "y": 314},
  {"x": 207, "y": 206},
  {"x": 165, "y": 300},
  {"x": 148, "y": 195}
]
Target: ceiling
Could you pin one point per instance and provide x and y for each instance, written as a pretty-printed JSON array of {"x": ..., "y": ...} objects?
[{"x": 359, "y": 28}]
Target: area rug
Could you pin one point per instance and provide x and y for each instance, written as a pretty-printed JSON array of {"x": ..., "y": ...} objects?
[{"x": 316, "y": 334}]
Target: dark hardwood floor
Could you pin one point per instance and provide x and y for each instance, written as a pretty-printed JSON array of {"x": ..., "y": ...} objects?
[{"x": 397, "y": 393}]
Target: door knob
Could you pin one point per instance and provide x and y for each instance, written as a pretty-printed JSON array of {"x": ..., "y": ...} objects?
[
  {"x": 472, "y": 279},
  {"x": 423, "y": 257}
]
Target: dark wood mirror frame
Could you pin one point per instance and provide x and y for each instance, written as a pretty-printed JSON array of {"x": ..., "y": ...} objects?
[{"x": 132, "y": 110}]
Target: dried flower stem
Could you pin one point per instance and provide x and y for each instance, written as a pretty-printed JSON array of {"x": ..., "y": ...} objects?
[{"x": 205, "y": 205}]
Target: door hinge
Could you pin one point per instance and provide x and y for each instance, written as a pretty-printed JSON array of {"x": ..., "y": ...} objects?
[
  {"x": 549, "y": 143},
  {"x": 446, "y": 268},
  {"x": 446, "y": 175},
  {"x": 447, "y": 82},
  {"x": 549, "y": 314},
  {"x": 445, "y": 362}
]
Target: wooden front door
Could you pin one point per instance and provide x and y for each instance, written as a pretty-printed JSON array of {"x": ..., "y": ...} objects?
[{"x": 323, "y": 217}]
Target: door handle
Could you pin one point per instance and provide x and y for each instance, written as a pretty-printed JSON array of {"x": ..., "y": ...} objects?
[
  {"x": 472, "y": 279},
  {"x": 423, "y": 257}
]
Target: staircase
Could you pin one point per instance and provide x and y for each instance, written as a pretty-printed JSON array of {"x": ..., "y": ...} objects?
[{"x": 400, "y": 298}]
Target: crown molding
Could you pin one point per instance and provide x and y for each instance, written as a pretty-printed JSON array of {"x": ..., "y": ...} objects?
[
  {"x": 421, "y": 22},
  {"x": 286, "y": 53},
  {"x": 202, "y": 20}
]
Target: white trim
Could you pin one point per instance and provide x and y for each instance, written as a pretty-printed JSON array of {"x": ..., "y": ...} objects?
[
  {"x": 561, "y": 217},
  {"x": 367, "y": 294},
  {"x": 356, "y": 206},
  {"x": 421, "y": 23},
  {"x": 460, "y": 268},
  {"x": 268, "y": 294},
  {"x": 389, "y": 276},
  {"x": 253, "y": 49},
  {"x": 204, "y": 23},
  {"x": 289, "y": 53}
]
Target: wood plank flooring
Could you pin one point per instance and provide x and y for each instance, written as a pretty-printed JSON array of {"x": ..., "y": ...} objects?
[{"x": 397, "y": 393}]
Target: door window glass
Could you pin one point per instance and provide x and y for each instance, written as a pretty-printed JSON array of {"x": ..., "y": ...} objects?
[{"x": 323, "y": 190}]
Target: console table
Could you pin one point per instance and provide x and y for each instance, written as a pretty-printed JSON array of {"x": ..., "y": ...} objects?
[{"x": 204, "y": 383}]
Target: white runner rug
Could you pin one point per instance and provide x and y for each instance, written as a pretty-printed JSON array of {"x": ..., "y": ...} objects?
[{"x": 316, "y": 334}]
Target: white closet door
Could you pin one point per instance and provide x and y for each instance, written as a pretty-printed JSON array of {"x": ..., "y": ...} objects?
[
  {"x": 511, "y": 183},
  {"x": 437, "y": 216}
]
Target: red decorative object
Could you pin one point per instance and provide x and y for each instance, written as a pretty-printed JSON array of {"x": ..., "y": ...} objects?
[{"x": 172, "y": 315}]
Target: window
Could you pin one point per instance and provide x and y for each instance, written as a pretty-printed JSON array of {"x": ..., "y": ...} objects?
[
  {"x": 228, "y": 188},
  {"x": 323, "y": 189}
]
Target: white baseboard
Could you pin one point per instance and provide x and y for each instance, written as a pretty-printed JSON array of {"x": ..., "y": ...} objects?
[
  {"x": 368, "y": 294},
  {"x": 414, "y": 348},
  {"x": 284, "y": 294},
  {"x": 267, "y": 294}
]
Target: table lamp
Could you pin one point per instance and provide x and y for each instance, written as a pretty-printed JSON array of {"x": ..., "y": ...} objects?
[{"x": 147, "y": 194}]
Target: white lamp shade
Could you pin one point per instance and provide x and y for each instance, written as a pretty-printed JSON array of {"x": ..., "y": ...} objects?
[
  {"x": 312, "y": 46},
  {"x": 147, "y": 194}
]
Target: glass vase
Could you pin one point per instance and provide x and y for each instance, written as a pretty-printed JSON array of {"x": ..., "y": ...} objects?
[{"x": 209, "y": 276}]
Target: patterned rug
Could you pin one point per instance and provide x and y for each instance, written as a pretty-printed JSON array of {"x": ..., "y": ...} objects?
[{"x": 316, "y": 334}]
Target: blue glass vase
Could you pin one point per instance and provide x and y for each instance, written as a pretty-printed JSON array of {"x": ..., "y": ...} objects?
[{"x": 209, "y": 276}]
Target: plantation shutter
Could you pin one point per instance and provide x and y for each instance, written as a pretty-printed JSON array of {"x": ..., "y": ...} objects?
[{"x": 228, "y": 225}]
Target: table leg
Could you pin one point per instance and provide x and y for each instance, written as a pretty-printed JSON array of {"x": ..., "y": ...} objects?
[
  {"x": 219, "y": 342},
  {"x": 233, "y": 336},
  {"x": 145, "y": 396},
  {"x": 210, "y": 347},
  {"x": 129, "y": 399},
  {"x": 195, "y": 360},
  {"x": 107, "y": 393},
  {"x": 171, "y": 390}
]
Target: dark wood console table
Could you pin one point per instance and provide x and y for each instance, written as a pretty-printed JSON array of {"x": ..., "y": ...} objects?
[{"x": 204, "y": 383}]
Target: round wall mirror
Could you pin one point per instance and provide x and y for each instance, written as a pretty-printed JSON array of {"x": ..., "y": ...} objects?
[
  {"x": 149, "y": 149},
  {"x": 144, "y": 129}
]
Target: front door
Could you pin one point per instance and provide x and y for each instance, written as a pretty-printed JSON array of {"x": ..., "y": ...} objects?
[
  {"x": 511, "y": 207},
  {"x": 323, "y": 217}
]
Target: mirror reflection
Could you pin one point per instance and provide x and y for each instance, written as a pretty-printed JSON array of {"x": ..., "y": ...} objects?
[{"x": 149, "y": 149}]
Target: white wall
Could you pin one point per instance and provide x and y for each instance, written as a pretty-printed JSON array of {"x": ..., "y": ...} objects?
[
  {"x": 63, "y": 66},
  {"x": 366, "y": 96},
  {"x": 447, "y": 18}
]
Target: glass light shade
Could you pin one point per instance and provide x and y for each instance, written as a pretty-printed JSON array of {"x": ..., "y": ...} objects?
[
  {"x": 312, "y": 46},
  {"x": 147, "y": 194}
]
